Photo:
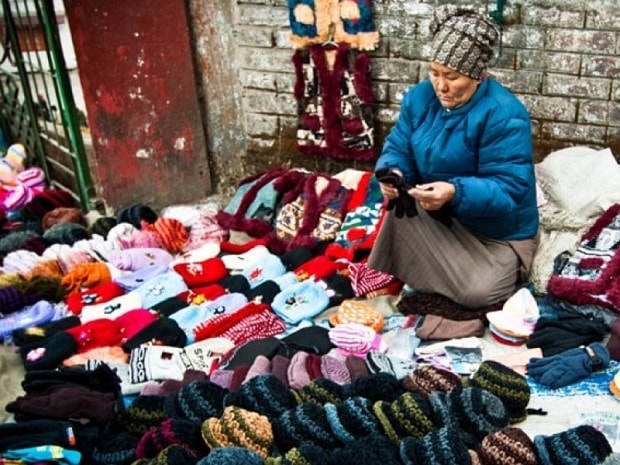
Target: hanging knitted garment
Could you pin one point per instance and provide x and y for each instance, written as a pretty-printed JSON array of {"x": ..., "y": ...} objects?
[{"x": 334, "y": 103}]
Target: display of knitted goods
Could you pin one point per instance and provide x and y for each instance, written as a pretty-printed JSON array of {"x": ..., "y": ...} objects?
[
  {"x": 254, "y": 204},
  {"x": 315, "y": 215},
  {"x": 334, "y": 103},
  {"x": 348, "y": 21},
  {"x": 592, "y": 274}
]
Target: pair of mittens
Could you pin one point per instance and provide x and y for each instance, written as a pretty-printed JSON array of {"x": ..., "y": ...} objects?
[{"x": 404, "y": 204}]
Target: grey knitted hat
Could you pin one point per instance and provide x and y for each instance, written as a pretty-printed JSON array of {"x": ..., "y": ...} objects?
[{"x": 462, "y": 40}]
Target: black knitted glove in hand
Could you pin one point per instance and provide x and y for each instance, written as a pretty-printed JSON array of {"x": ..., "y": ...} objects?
[{"x": 404, "y": 204}]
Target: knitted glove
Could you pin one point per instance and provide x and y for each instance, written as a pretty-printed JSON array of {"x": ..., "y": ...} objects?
[
  {"x": 568, "y": 367},
  {"x": 554, "y": 336},
  {"x": 404, "y": 204}
]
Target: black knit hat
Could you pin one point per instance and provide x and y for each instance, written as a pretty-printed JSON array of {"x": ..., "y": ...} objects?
[
  {"x": 103, "y": 225},
  {"x": 171, "y": 455},
  {"x": 511, "y": 387},
  {"x": 48, "y": 353},
  {"x": 304, "y": 423},
  {"x": 352, "y": 419},
  {"x": 377, "y": 386},
  {"x": 582, "y": 444},
  {"x": 264, "y": 394},
  {"x": 410, "y": 414},
  {"x": 33, "y": 433},
  {"x": 164, "y": 331},
  {"x": 117, "y": 449},
  {"x": 374, "y": 449},
  {"x": 135, "y": 214},
  {"x": 144, "y": 413},
  {"x": 196, "y": 401},
  {"x": 440, "y": 447},
  {"x": 321, "y": 391},
  {"x": 171, "y": 431}
]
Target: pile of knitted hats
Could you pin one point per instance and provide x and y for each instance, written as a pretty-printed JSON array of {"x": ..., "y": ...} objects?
[{"x": 431, "y": 417}]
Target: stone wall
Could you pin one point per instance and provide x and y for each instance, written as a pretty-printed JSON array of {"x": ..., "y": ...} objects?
[{"x": 561, "y": 58}]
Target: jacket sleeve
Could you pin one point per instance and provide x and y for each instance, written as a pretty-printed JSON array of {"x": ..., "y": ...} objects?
[
  {"x": 505, "y": 169},
  {"x": 397, "y": 151}
]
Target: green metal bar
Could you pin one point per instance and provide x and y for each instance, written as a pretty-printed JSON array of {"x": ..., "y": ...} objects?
[
  {"x": 23, "y": 75},
  {"x": 66, "y": 103}
]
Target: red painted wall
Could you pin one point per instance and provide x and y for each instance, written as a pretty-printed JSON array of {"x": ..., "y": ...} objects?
[{"x": 140, "y": 91}]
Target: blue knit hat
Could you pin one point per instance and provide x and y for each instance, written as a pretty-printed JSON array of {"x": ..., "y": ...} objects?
[
  {"x": 264, "y": 394},
  {"x": 580, "y": 445},
  {"x": 443, "y": 446},
  {"x": 377, "y": 386},
  {"x": 196, "y": 401},
  {"x": 300, "y": 301},
  {"x": 230, "y": 456},
  {"x": 304, "y": 423},
  {"x": 352, "y": 419},
  {"x": 472, "y": 411},
  {"x": 373, "y": 449}
]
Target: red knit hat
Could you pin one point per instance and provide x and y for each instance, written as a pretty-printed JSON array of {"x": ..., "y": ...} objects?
[
  {"x": 97, "y": 333},
  {"x": 173, "y": 234},
  {"x": 318, "y": 267},
  {"x": 199, "y": 274},
  {"x": 95, "y": 295}
]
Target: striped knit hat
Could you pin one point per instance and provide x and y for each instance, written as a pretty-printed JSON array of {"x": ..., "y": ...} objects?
[
  {"x": 196, "y": 401},
  {"x": 352, "y": 419},
  {"x": 440, "y": 447},
  {"x": 238, "y": 427},
  {"x": 507, "y": 446},
  {"x": 462, "y": 40},
  {"x": 304, "y": 423},
  {"x": 264, "y": 394},
  {"x": 306, "y": 454},
  {"x": 409, "y": 415},
  {"x": 171, "y": 431},
  {"x": 230, "y": 456},
  {"x": 511, "y": 387},
  {"x": 321, "y": 391},
  {"x": 144, "y": 413},
  {"x": 427, "y": 379},
  {"x": 582, "y": 444}
]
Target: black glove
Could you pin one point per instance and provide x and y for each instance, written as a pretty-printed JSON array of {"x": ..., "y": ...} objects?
[
  {"x": 568, "y": 331},
  {"x": 569, "y": 366},
  {"x": 404, "y": 204}
]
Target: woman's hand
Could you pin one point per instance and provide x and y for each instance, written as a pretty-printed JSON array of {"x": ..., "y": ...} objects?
[
  {"x": 433, "y": 195},
  {"x": 389, "y": 192}
]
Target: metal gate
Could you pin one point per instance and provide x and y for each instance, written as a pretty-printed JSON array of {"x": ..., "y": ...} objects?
[{"x": 37, "y": 102}]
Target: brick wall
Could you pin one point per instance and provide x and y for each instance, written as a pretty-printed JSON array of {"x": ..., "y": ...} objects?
[{"x": 561, "y": 58}]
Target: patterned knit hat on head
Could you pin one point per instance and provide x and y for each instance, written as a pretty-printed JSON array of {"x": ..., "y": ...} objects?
[
  {"x": 440, "y": 447},
  {"x": 320, "y": 391},
  {"x": 196, "y": 401},
  {"x": 171, "y": 431},
  {"x": 462, "y": 40},
  {"x": 510, "y": 386},
  {"x": 427, "y": 379},
  {"x": 306, "y": 422},
  {"x": 230, "y": 456},
  {"x": 507, "y": 446},
  {"x": 238, "y": 427},
  {"x": 264, "y": 394},
  {"x": 352, "y": 419},
  {"x": 409, "y": 415},
  {"x": 582, "y": 444},
  {"x": 471, "y": 411}
]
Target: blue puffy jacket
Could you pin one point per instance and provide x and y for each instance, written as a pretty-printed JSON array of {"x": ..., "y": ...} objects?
[{"x": 484, "y": 148}]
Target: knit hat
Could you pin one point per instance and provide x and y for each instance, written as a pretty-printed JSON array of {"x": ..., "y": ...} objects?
[
  {"x": 66, "y": 233},
  {"x": 163, "y": 331},
  {"x": 409, "y": 415},
  {"x": 371, "y": 450},
  {"x": 173, "y": 234},
  {"x": 63, "y": 215},
  {"x": 160, "y": 288},
  {"x": 231, "y": 455},
  {"x": 196, "y": 401},
  {"x": 264, "y": 394},
  {"x": 197, "y": 274},
  {"x": 300, "y": 301},
  {"x": 321, "y": 391},
  {"x": 265, "y": 267},
  {"x": 306, "y": 422},
  {"x": 352, "y": 419},
  {"x": 440, "y": 447},
  {"x": 239, "y": 262},
  {"x": 238, "y": 427},
  {"x": 96, "y": 294},
  {"x": 356, "y": 311},
  {"x": 235, "y": 283},
  {"x": 144, "y": 413},
  {"x": 39, "y": 313},
  {"x": 357, "y": 367},
  {"x": 316, "y": 268},
  {"x": 377, "y": 386},
  {"x": 135, "y": 214},
  {"x": 134, "y": 259},
  {"x": 334, "y": 368},
  {"x": 511, "y": 387},
  {"x": 102, "y": 225},
  {"x": 306, "y": 453},
  {"x": 472, "y": 411},
  {"x": 462, "y": 40},
  {"x": 427, "y": 379},
  {"x": 354, "y": 339},
  {"x": 48, "y": 353},
  {"x": 509, "y": 445},
  {"x": 171, "y": 431},
  {"x": 173, "y": 454},
  {"x": 116, "y": 449},
  {"x": 582, "y": 444},
  {"x": 379, "y": 362}
]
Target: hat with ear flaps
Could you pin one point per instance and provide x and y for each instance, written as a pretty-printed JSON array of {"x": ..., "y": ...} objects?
[{"x": 462, "y": 40}]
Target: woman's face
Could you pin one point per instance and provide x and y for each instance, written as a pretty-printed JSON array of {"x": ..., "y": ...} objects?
[{"x": 452, "y": 88}]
